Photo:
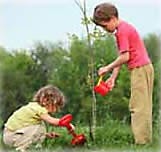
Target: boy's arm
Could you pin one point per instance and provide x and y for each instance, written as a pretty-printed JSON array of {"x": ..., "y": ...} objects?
[
  {"x": 115, "y": 72},
  {"x": 111, "y": 80},
  {"x": 121, "y": 59}
]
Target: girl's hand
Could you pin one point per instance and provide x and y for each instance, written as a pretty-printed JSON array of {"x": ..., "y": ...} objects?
[
  {"x": 72, "y": 128},
  {"x": 52, "y": 135}
]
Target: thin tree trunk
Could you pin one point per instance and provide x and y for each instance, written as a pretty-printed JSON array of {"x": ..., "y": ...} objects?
[{"x": 92, "y": 120}]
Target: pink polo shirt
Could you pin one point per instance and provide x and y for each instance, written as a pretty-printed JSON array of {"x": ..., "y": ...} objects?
[{"x": 128, "y": 39}]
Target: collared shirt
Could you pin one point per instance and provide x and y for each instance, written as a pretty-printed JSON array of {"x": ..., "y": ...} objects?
[
  {"x": 26, "y": 116},
  {"x": 128, "y": 39}
]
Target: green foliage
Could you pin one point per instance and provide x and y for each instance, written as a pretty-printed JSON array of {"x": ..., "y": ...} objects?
[
  {"x": 152, "y": 42},
  {"x": 23, "y": 72},
  {"x": 112, "y": 134},
  {"x": 15, "y": 82},
  {"x": 86, "y": 21}
]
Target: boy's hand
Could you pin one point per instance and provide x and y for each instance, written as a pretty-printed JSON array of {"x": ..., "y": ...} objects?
[
  {"x": 111, "y": 82},
  {"x": 52, "y": 135},
  {"x": 103, "y": 70}
]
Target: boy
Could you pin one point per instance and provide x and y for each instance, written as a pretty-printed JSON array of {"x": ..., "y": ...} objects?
[
  {"x": 133, "y": 53},
  {"x": 25, "y": 126}
]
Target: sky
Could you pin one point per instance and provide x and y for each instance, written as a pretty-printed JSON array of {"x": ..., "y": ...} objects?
[{"x": 24, "y": 22}]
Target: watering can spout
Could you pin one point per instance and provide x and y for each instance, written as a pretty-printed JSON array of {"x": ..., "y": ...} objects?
[{"x": 65, "y": 122}]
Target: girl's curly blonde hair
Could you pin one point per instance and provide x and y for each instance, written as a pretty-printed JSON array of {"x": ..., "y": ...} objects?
[{"x": 52, "y": 94}]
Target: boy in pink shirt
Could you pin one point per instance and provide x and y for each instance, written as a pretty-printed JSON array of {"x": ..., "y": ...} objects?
[{"x": 133, "y": 53}]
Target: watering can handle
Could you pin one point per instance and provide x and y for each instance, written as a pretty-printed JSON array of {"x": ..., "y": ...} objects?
[{"x": 100, "y": 79}]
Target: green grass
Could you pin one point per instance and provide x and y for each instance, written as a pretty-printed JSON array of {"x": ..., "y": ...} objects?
[
  {"x": 113, "y": 136},
  {"x": 69, "y": 149}
]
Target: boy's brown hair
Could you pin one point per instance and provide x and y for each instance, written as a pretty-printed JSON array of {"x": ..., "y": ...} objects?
[
  {"x": 104, "y": 12},
  {"x": 52, "y": 94}
]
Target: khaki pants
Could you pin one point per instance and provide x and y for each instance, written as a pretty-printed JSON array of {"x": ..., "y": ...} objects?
[
  {"x": 141, "y": 103},
  {"x": 21, "y": 139}
]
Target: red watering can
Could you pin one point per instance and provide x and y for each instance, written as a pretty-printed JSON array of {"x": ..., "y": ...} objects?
[
  {"x": 102, "y": 88},
  {"x": 77, "y": 139}
]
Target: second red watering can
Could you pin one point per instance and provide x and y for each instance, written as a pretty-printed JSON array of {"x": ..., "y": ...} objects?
[
  {"x": 102, "y": 88},
  {"x": 77, "y": 139}
]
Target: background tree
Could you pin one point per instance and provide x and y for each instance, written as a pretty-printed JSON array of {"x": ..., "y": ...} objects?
[{"x": 24, "y": 71}]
